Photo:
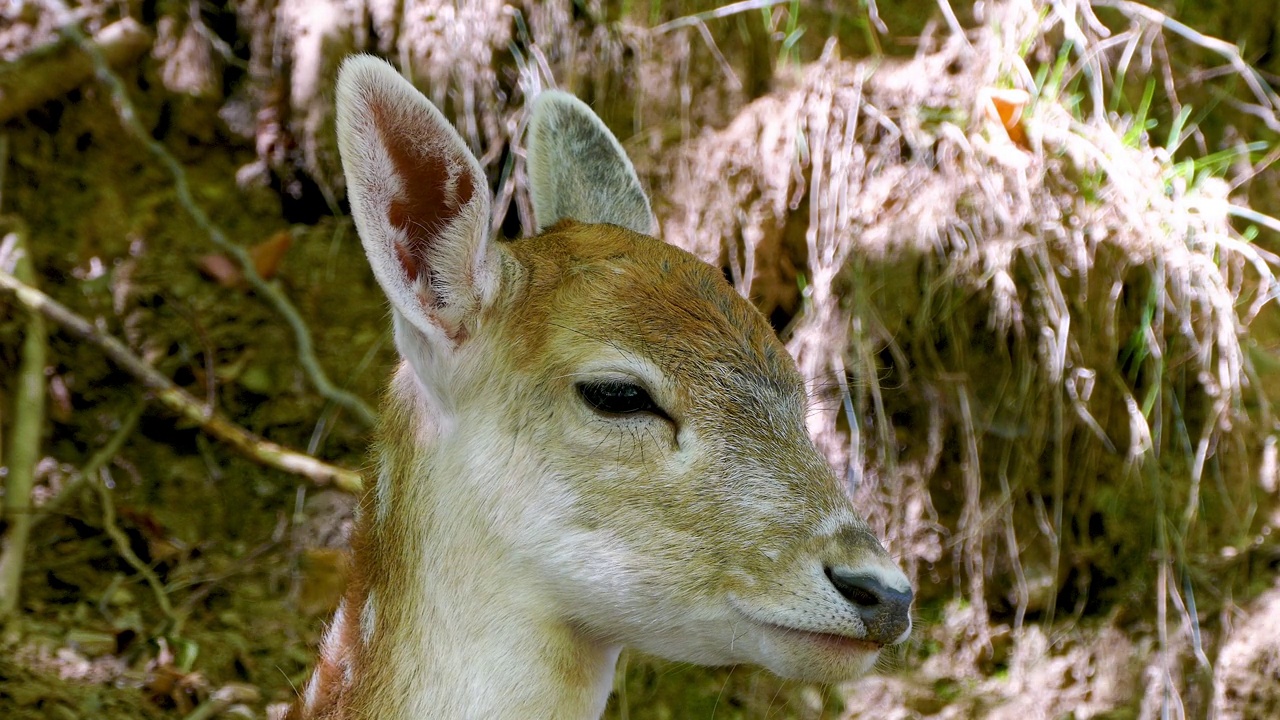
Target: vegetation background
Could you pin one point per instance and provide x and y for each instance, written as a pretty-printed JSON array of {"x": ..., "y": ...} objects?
[{"x": 1025, "y": 252}]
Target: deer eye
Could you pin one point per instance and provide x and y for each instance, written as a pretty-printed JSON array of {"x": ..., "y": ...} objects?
[{"x": 614, "y": 397}]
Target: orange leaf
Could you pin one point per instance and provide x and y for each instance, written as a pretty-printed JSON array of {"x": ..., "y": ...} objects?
[
  {"x": 1005, "y": 105},
  {"x": 268, "y": 254}
]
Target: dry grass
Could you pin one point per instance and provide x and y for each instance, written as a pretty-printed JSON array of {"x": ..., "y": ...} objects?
[{"x": 1031, "y": 336}]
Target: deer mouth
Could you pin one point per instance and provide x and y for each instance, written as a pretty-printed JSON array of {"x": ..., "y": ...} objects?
[{"x": 832, "y": 641}]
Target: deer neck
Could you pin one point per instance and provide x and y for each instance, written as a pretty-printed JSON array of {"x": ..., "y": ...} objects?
[{"x": 450, "y": 621}]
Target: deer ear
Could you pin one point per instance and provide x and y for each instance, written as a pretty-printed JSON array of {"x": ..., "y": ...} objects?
[
  {"x": 420, "y": 201},
  {"x": 577, "y": 168}
]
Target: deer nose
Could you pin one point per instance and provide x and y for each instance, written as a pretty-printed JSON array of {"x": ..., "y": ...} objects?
[{"x": 885, "y": 611}]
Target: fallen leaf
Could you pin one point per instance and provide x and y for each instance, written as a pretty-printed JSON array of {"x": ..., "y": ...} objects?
[
  {"x": 1004, "y": 106},
  {"x": 268, "y": 254},
  {"x": 221, "y": 269}
]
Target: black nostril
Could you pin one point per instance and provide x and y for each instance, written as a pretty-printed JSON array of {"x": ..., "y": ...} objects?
[
  {"x": 855, "y": 594},
  {"x": 860, "y": 589},
  {"x": 885, "y": 611}
]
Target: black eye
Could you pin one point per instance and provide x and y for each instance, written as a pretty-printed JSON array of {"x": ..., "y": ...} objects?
[{"x": 619, "y": 398}]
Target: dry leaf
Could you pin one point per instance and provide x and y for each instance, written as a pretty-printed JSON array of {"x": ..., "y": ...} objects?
[
  {"x": 1004, "y": 106},
  {"x": 221, "y": 269},
  {"x": 266, "y": 255}
]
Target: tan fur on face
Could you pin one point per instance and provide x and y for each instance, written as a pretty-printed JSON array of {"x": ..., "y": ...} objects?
[{"x": 712, "y": 503}]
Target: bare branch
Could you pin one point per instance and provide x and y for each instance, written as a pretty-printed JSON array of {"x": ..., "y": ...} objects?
[
  {"x": 179, "y": 400},
  {"x": 720, "y": 12},
  {"x": 97, "y": 461},
  {"x": 52, "y": 71},
  {"x": 125, "y": 549}
]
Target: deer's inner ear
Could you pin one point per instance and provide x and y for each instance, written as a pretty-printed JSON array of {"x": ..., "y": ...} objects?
[
  {"x": 435, "y": 186},
  {"x": 420, "y": 201}
]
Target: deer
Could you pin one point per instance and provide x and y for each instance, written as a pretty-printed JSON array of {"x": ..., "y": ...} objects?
[{"x": 590, "y": 442}]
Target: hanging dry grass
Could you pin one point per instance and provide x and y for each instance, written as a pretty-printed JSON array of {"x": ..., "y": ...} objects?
[
  {"x": 477, "y": 61},
  {"x": 1028, "y": 325}
]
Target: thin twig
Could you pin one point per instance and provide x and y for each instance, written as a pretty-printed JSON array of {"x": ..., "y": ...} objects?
[
  {"x": 720, "y": 12},
  {"x": 125, "y": 550},
  {"x": 1254, "y": 216},
  {"x": 953, "y": 22},
  {"x": 272, "y": 292},
  {"x": 179, "y": 400},
  {"x": 242, "y": 565}
]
